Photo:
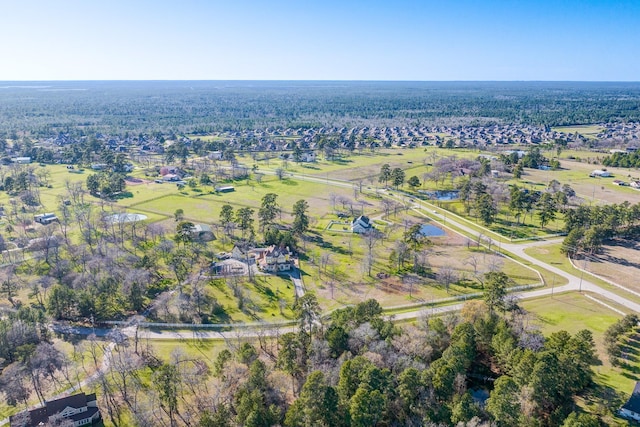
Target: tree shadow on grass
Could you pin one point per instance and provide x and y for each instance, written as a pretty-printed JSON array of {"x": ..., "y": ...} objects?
[
  {"x": 341, "y": 161},
  {"x": 603, "y": 396},
  {"x": 123, "y": 195},
  {"x": 320, "y": 242},
  {"x": 219, "y": 315}
]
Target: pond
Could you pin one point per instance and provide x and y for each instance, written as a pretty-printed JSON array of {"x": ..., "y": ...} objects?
[
  {"x": 441, "y": 194},
  {"x": 431, "y": 230}
]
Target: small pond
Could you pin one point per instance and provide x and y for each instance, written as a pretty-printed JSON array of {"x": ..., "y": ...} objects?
[
  {"x": 441, "y": 194},
  {"x": 431, "y": 230}
]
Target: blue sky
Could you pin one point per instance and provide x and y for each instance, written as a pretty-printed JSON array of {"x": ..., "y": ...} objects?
[{"x": 320, "y": 40}]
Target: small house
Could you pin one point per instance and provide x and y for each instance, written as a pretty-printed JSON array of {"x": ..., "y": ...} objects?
[
  {"x": 202, "y": 233},
  {"x": 164, "y": 170},
  {"x": 215, "y": 155},
  {"x": 600, "y": 173},
  {"x": 631, "y": 409},
  {"x": 240, "y": 253},
  {"x": 225, "y": 188},
  {"x": 361, "y": 225},
  {"x": 45, "y": 218},
  {"x": 99, "y": 166},
  {"x": 308, "y": 156},
  {"x": 80, "y": 409},
  {"x": 22, "y": 160},
  {"x": 171, "y": 177}
]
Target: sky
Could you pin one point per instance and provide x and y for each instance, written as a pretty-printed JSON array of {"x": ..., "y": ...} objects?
[{"x": 422, "y": 40}]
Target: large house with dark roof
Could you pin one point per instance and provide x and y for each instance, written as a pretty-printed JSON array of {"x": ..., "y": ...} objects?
[
  {"x": 631, "y": 409},
  {"x": 81, "y": 409}
]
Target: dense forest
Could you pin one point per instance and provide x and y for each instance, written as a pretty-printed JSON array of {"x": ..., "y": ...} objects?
[
  {"x": 46, "y": 108},
  {"x": 354, "y": 369}
]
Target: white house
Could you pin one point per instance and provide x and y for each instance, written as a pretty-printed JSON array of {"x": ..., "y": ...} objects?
[
  {"x": 308, "y": 156},
  {"x": 45, "y": 218},
  {"x": 361, "y": 225},
  {"x": 22, "y": 160},
  {"x": 600, "y": 173},
  {"x": 224, "y": 188},
  {"x": 81, "y": 409},
  {"x": 631, "y": 409},
  {"x": 215, "y": 155}
]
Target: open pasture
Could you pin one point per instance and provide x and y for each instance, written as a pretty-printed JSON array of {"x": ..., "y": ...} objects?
[
  {"x": 600, "y": 190},
  {"x": 206, "y": 207},
  {"x": 618, "y": 262},
  {"x": 366, "y": 166},
  {"x": 588, "y": 131}
]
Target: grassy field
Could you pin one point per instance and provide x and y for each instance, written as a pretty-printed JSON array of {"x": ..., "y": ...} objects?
[
  {"x": 576, "y": 174},
  {"x": 588, "y": 131},
  {"x": 551, "y": 254},
  {"x": 206, "y": 207},
  {"x": 366, "y": 166},
  {"x": 345, "y": 281},
  {"x": 619, "y": 263}
]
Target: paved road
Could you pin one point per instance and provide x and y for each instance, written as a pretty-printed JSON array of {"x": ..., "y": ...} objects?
[
  {"x": 575, "y": 283},
  {"x": 297, "y": 282}
]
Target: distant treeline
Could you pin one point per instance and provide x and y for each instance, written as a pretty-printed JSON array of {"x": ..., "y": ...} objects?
[
  {"x": 623, "y": 160},
  {"x": 47, "y": 108}
]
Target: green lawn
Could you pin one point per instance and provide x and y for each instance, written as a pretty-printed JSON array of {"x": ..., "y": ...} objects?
[
  {"x": 589, "y": 131},
  {"x": 204, "y": 349},
  {"x": 366, "y": 165},
  {"x": 206, "y": 207}
]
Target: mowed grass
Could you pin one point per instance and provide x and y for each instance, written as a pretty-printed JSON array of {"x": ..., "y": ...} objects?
[
  {"x": 366, "y": 165},
  {"x": 206, "y": 207},
  {"x": 57, "y": 177},
  {"x": 576, "y": 174},
  {"x": 203, "y": 349},
  {"x": 589, "y": 131},
  {"x": 346, "y": 280}
]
